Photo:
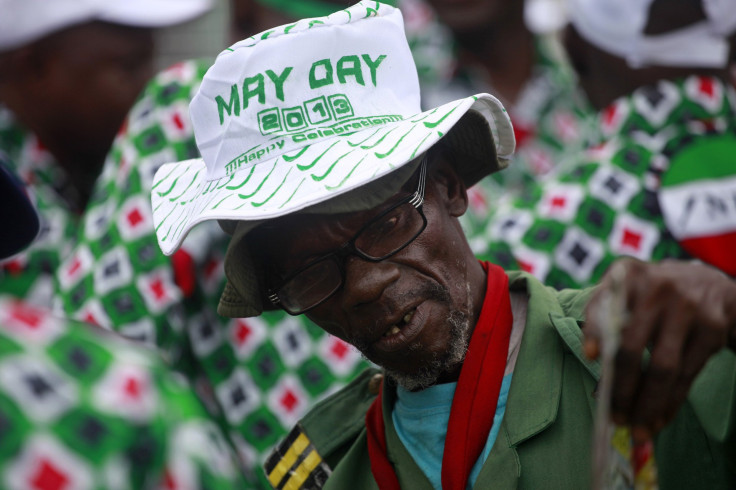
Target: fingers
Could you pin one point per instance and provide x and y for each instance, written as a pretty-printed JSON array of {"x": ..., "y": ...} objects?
[
  {"x": 683, "y": 314},
  {"x": 653, "y": 405},
  {"x": 642, "y": 325}
]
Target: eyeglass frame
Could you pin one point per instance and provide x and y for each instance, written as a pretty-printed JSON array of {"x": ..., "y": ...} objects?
[{"x": 348, "y": 248}]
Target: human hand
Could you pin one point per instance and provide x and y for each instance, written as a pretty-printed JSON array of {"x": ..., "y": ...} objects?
[{"x": 683, "y": 313}]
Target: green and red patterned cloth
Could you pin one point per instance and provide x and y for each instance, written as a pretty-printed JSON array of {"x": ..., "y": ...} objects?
[
  {"x": 83, "y": 409},
  {"x": 258, "y": 375},
  {"x": 30, "y": 274},
  {"x": 660, "y": 184}
]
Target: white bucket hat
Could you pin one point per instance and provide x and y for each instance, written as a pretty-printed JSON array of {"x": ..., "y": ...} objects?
[
  {"x": 24, "y": 21},
  {"x": 306, "y": 112},
  {"x": 617, "y": 27}
]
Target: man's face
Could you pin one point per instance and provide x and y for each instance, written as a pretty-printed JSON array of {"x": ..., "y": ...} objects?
[
  {"x": 409, "y": 313},
  {"x": 92, "y": 75}
]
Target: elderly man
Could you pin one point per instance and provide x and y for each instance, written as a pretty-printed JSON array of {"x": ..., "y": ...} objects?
[{"x": 343, "y": 201}]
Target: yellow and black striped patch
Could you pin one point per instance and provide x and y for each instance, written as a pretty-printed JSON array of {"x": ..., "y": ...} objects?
[{"x": 295, "y": 464}]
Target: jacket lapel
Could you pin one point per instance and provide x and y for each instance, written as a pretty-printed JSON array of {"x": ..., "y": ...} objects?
[{"x": 536, "y": 386}]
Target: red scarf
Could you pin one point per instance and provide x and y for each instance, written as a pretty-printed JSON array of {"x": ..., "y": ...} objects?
[{"x": 476, "y": 395}]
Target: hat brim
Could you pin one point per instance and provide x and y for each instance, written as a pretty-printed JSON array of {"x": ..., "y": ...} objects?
[
  {"x": 153, "y": 13},
  {"x": 182, "y": 196},
  {"x": 25, "y": 26}
]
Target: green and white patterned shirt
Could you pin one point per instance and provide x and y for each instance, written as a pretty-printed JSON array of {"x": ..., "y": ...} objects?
[
  {"x": 82, "y": 408},
  {"x": 257, "y": 375},
  {"x": 661, "y": 184}
]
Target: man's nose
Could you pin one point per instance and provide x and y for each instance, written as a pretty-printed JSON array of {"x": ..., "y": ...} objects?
[{"x": 366, "y": 281}]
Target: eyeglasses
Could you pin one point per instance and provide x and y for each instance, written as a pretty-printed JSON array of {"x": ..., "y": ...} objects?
[{"x": 382, "y": 237}]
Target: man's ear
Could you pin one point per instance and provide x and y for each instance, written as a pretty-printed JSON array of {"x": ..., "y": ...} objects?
[{"x": 449, "y": 186}]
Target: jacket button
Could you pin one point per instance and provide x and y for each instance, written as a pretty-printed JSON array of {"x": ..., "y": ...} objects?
[{"x": 374, "y": 385}]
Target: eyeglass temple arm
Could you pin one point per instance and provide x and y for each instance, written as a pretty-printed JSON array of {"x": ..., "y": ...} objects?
[{"x": 418, "y": 198}]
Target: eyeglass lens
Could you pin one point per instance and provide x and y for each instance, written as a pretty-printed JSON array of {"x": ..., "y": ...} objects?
[{"x": 381, "y": 238}]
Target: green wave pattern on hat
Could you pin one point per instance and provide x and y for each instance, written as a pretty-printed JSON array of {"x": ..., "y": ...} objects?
[{"x": 310, "y": 175}]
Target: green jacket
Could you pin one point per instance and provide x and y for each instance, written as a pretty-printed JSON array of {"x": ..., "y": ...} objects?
[{"x": 545, "y": 438}]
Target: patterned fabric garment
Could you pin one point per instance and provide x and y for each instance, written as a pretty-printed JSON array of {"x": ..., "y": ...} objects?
[
  {"x": 430, "y": 43},
  {"x": 30, "y": 274},
  {"x": 257, "y": 375},
  {"x": 661, "y": 184},
  {"x": 82, "y": 409}
]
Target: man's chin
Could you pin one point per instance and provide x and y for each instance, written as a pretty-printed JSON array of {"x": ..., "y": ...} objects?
[
  {"x": 441, "y": 367},
  {"x": 416, "y": 381}
]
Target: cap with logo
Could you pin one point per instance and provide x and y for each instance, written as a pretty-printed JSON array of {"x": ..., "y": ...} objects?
[
  {"x": 292, "y": 119},
  {"x": 25, "y": 21}
]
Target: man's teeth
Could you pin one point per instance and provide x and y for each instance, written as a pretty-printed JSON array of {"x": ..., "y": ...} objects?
[{"x": 396, "y": 329}]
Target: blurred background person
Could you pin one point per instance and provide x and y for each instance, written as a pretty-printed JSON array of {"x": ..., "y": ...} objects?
[
  {"x": 258, "y": 376},
  {"x": 661, "y": 180},
  {"x": 82, "y": 408},
  {"x": 69, "y": 73},
  {"x": 511, "y": 48}
]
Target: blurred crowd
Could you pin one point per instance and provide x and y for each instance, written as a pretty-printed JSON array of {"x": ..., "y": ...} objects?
[{"x": 116, "y": 370}]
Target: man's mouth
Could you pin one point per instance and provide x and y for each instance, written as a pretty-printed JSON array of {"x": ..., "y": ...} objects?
[
  {"x": 396, "y": 328},
  {"x": 401, "y": 333}
]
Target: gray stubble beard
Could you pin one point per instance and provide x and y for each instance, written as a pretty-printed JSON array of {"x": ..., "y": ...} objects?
[{"x": 459, "y": 327}]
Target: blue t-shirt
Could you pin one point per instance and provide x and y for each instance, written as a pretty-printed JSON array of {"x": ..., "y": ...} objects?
[{"x": 421, "y": 420}]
